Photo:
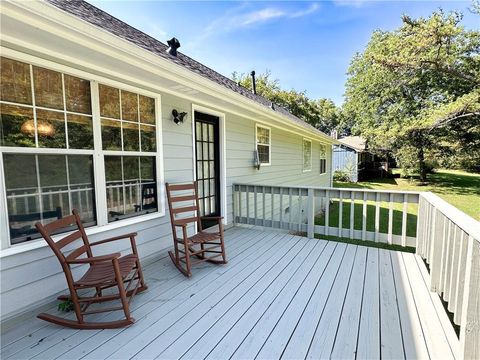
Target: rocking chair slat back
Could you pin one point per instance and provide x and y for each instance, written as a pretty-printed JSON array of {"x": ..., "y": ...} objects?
[
  {"x": 62, "y": 223},
  {"x": 188, "y": 204},
  {"x": 69, "y": 239},
  {"x": 77, "y": 252}
]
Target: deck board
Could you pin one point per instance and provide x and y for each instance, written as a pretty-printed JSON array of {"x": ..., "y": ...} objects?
[{"x": 280, "y": 295}]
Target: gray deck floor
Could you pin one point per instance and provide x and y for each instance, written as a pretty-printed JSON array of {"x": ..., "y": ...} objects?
[{"x": 280, "y": 296}]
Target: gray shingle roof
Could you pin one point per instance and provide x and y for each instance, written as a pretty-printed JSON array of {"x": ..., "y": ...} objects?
[{"x": 105, "y": 21}]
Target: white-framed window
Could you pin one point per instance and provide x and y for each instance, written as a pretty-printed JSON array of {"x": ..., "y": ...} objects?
[
  {"x": 66, "y": 141},
  {"x": 323, "y": 159},
  {"x": 264, "y": 144},
  {"x": 307, "y": 155}
]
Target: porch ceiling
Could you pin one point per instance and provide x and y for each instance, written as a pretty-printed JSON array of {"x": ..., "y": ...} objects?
[{"x": 280, "y": 295}]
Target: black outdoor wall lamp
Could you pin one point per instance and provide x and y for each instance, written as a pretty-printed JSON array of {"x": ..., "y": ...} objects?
[{"x": 178, "y": 117}]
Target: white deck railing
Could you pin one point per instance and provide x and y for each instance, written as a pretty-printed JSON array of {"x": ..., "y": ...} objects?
[
  {"x": 449, "y": 242},
  {"x": 445, "y": 237}
]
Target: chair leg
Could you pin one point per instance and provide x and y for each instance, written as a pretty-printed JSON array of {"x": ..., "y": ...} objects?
[
  {"x": 187, "y": 259},
  {"x": 121, "y": 289}
]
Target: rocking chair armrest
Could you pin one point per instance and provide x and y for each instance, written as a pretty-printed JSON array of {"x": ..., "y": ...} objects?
[
  {"x": 94, "y": 259},
  {"x": 115, "y": 238}
]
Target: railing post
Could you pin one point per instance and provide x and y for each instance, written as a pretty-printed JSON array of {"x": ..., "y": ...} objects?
[
  {"x": 311, "y": 213},
  {"x": 470, "y": 324}
]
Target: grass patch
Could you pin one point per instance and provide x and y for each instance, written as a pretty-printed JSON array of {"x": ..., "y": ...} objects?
[
  {"x": 459, "y": 188},
  {"x": 334, "y": 216}
]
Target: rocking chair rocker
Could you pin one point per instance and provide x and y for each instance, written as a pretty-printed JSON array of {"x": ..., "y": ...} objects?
[
  {"x": 104, "y": 272},
  {"x": 205, "y": 246}
]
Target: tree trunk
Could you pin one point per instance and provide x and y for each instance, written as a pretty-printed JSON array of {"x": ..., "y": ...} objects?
[{"x": 421, "y": 165}]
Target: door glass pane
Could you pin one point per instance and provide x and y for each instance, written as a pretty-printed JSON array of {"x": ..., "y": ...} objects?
[
  {"x": 77, "y": 94},
  {"x": 109, "y": 101},
  {"x": 205, "y": 131},
  {"x": 129, "y": 106},
  {"x": 17, "y": 127},
  {"x": 147, "y": 134},
  {"x": 130, "y": 137},
  {"x": 80, "y": 131},
  {"x": 111, "y": 135},
  {"x": 199, "y": 151},
  {"x": 51, "y": 129},
  {"x": 147, "y": 110},
  {"x": 48, "y": 88},
  {"x": 15, "y": 85}
]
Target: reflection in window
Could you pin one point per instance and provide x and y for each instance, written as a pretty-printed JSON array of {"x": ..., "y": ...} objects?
[
  {"x": 263, "y": 144},
  {"x": 131, "y": 186},
  {"x": 323, "y": 159},
  {"x": 121, "y": 111},
  {"x": 307, "y": 155},
  {"x": 46, "y": 124},
  {"x": 47, "y": 187}
]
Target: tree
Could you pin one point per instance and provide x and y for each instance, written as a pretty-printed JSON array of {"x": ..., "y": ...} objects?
[
  {"x": 322, "y": 113},
  {"x": 415, "y": 90}
]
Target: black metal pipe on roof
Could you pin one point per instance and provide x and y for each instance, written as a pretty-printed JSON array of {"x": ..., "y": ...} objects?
[{"x": 254, "y": 85}]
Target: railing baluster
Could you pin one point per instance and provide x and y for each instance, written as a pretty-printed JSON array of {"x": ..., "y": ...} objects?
[
  {"x": 263, "y": 206},
  {"x": 240, "y": 210},
  {"x": 272, "y": 215},
  {"x": 377, "y": 216},
  {"x": 390, "y": 219},
  {"x": 247, "y": 203},
  {"x": 448, "y": 261},
  {"x": 280, "y": 190},
  {"x": 300, "y": 207},
  {"x": 404, "y": 219},
  {"x": 455, "y": 265},
  {"x": 327, "y": 212},
  {"x": 457, "y": 314},
  {"x": 290, "y": 208},
  {"x": 311, "y": 213},
  {"x": 364, "y": 216},
  {"x": 255, "y": 205},
  {"x": 352, "y": 213},
  {"x": 340, "y": 214}
]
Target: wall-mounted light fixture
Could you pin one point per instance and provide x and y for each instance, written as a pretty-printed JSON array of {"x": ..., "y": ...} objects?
[
  {"x": 178, "y": 117},
  {"x": 256, "y": 160}
]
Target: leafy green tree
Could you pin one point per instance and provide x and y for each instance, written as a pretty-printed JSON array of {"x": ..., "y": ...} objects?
[
  {"x": 416, "y": 90},
  {"x": 321, "y": 113}
]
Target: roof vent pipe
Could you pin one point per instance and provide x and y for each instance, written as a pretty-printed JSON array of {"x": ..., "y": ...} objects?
[
  {"x": 173, "y": 45},
  {"x": 254, "y": 85}
]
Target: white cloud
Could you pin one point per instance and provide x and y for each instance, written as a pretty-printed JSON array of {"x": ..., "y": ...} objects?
[
  {"x": 238, "y": 18},
  {"x": 354, "y": 3},
  {"x": 310, "y": 10}
]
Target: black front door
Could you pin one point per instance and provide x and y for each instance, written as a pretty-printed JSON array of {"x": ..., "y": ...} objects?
[{"x": 207, "y": 140}]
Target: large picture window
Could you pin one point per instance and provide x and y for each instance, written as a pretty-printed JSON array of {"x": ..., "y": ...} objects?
[
  {"x": 307, "y": 155},
  {"x": 323, "y": 159},
  {"x": 48, "y": 147},
  {"x": 263, "y": 141}
]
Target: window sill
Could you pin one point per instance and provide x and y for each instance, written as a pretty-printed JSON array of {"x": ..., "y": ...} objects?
[
  {"x": 308, "y": 170},
  {"x": 40, "y": 243}
]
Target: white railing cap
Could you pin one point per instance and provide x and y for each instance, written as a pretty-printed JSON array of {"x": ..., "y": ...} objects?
[
  {"x": 401, "y": 192},
  {"x": 462, "y": 220}
]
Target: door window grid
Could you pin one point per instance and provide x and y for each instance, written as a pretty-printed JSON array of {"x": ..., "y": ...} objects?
[{"x": 206, "y": 172}]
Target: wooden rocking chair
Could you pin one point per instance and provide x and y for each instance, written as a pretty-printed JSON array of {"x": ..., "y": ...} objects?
[
  {"x": 205, "y": 246},
  {"x": 106, "y": 271}
]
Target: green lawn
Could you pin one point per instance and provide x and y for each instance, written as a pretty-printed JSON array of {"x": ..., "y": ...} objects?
[{"x": 459, "y": 188}]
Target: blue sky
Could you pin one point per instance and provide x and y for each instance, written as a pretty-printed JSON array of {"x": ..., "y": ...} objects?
[{"x": 306, "y": 45}]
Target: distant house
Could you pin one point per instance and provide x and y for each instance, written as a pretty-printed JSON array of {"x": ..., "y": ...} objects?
[{"x": 353, "y": 157}]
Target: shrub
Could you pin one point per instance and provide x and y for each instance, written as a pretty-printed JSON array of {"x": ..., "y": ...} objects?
[{"x": 342, "y": 175}]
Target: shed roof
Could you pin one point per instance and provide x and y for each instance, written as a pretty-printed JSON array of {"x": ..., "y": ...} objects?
[
  {"x": 105, "y": 21},
  {"x": 355, "y": 142}
]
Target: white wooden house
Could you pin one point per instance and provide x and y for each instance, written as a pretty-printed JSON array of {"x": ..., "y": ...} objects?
[
  {"x": 86, "y": 106},
  {"x": 97, "y": 116}
]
